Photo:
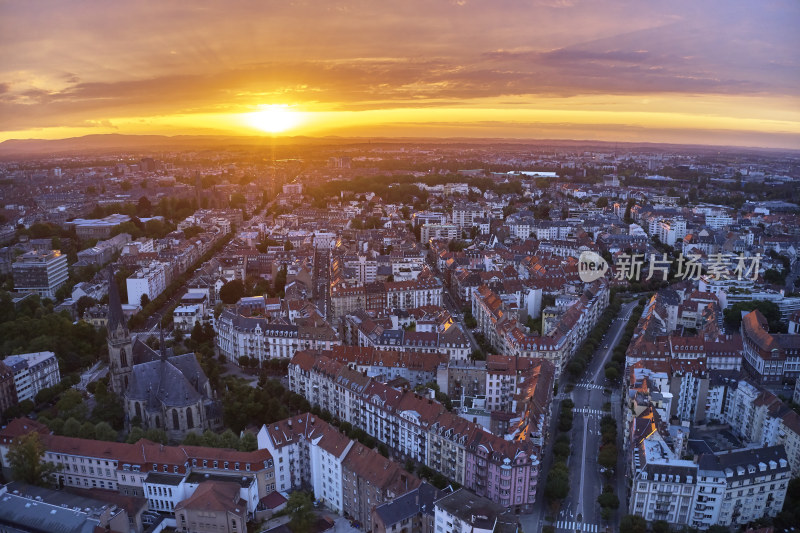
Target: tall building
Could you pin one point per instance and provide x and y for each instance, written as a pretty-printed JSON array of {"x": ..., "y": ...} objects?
[
  {"x": 40, "y": 272},
  {"x": 120, "y": 346}
]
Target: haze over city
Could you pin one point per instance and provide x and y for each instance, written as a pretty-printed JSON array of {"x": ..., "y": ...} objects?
[{"x": 716, "y": 72}]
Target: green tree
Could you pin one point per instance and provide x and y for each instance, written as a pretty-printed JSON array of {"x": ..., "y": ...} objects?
[
  {"x": 25, "y": 457},
  {"x": 71, "y": 405},
  {"x": 87, "y": 431},
  {"x": 608, "y": 499},
  {"x": 232, "y": 292},
  {"x": 228, "y": 439},
  {"x": 301, "y": 510},
  {"x": 193, "y": 439},
  {"x": 602, "y": 202},
  {"x": 248, "y": 443},
  {"x": 557, "y": 484},
  {"x": 104, "y": 431},
  {"x": 633, "y": 524},
  {"x": 72, "y": 428},
  {"x": 156, "y": 435}
]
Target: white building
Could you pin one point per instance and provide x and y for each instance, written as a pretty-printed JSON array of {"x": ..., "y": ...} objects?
[
  {"x": 33, "y": 372},
  {"x": 40, "y": 272},
  {"x": 150, "y": 281},
  {"x": 307, "y": 451},
  {"x": 438, "y": 231},
  {"x": 670, "y": 231},
  {"x": 186, "y": 316}
]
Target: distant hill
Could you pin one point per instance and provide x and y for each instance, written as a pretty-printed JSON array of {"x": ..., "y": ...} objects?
[{"x": 116, "y": 143}]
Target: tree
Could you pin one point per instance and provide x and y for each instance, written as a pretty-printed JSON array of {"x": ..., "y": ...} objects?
[
  {"x": 25, "y": 457},
  {"x": 288, "y": 246},
  {"x": 602, "y": 202},
  {"x": 87, "y": 431},
  {"x": 557, "y": 485},
  {"x": 126, "y": 185},
  {"x": 72, "y": 428},
  {"x": 770, "y": 310},
  {"x": 145, "y": 299},
  {"x": 608, "y": 456},
  {"x": 104, "y": 431},
  {"x": 612, "y": 374},
  {"x": 143, "y": 207},
  {"x": 662, "y": 526},
  {"x": 232, "y": 292},
  {"x": 228, "y": 439},
  {"x": 248, "y": 443},
  {"x": 301, "y": 510},
  {"x": 608, "y": 499},
  {"x": 632, "y": 524}
]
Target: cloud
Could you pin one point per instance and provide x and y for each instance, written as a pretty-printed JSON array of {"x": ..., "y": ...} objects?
[{"x": 66, "y": 64}]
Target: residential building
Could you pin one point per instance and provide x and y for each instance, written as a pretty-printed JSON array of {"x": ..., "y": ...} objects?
[
  {"x": 370, "y": 480},
  {"x": 771, "y": 358},
  {"x": 411, "y": 512},
  {"x": 8, "y": 390},
  {"x": 33, "y": 372},
  {"x": 148, "y": 281},
  {"x": 215, "y": 507},
  {"x": 40, "y": 272},
  {"x": 308, "y": 453},
  {"x": 446, "y": 232},
  {"x": 465, "y": 512},
  {"x": 419, "y": 428}
]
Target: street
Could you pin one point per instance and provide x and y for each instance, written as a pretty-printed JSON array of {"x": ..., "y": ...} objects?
[{"x": 580, "y": 511}]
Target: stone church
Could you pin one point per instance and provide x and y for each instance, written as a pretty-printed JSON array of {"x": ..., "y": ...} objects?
[{"x": 158, "y": 390}]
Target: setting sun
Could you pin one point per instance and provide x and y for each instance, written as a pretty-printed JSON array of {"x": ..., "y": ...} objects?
[{"x": 274, "y": 118}]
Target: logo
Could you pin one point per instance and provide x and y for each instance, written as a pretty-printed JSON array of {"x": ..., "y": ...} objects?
[{"x": 591, "y": 266}]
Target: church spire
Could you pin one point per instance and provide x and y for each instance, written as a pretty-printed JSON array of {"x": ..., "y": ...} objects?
[
  {"x": 115, "y": 315},
  {"x": 162, "y": 345}
]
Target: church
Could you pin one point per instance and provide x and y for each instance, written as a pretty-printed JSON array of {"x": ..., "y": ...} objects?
[{"x": 158, "y": 390}]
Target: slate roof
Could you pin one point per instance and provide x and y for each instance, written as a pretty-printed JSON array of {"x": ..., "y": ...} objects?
[
  {"x": 173, "y": 381},
  {"x": 417, "y": 501}
]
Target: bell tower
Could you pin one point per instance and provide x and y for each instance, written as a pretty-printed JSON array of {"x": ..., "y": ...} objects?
[{"x": 120, "y": 347}]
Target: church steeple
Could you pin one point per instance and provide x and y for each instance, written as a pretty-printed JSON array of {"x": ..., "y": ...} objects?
[{"x": 120, "y": 346}]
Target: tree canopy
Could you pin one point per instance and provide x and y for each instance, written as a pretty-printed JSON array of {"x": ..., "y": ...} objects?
[{"x": 25, "y": 457}]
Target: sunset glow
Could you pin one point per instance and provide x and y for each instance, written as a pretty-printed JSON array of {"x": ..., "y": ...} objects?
[
  {"x": 275, "y": 119},
  {"x": 680, "y": 71}
]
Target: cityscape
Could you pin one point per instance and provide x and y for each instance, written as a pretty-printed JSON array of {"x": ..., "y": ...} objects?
[{"x": 290, "y": 269}]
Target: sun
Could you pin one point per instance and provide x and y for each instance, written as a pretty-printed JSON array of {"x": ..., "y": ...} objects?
[{"x": 275, "y": 118}]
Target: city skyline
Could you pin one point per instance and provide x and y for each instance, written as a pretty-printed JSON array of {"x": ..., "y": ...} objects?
[{"x": 720, "y": 73}]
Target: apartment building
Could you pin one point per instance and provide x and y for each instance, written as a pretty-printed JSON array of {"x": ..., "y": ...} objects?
[
  {"x": 149, "y": 281},
  {"x": 503, "y": 330},
  {"x": 434, "y": 333},
  {"x": 370, "y": 480},
  {"x": 40, "y": 272},
  {"x": 33, "y": 372},
  {"x": 415, "y": 427},
  {"x": 261, "y": 338},
  {"x": 755, "y": 483},
  {"x": 771, "y": 358},
  {"x": 446, "y": 232},
  {"x": 308, "y": 452}
]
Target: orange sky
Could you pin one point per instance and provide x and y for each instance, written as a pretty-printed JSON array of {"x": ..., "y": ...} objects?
[{"x": 711, "y": 72}]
